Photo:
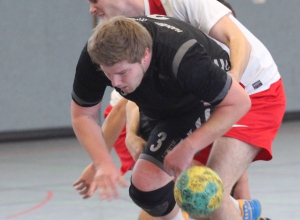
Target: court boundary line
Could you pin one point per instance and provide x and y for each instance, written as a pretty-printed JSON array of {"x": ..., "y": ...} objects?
[{"x": 34, "y": 208}]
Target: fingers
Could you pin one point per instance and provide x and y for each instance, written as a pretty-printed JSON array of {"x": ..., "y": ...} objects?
[
  {"x": 176, "y": 174},
  {"x": 77, "y": 182},
  {"x": 84, "y": 191},
  {"x": 92, "y": 189},
  {"x": 105, "y": 191},
  {"x": 105, "y": 180},
  {"x": 83, "y": 188},
  {"x": 171, "y": 172},
  {"x": 172, "y": 169},
  {"x": 108, "y": 188},
  {"x": 122, "y": 182}
]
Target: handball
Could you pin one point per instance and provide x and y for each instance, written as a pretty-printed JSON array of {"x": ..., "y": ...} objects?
[{"x": 198, "y": 191}]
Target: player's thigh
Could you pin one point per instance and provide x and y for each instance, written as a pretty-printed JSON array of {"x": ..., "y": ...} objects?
[{"x": 230, "y": 158}]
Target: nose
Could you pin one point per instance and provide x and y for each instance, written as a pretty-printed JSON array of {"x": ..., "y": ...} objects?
[
  {"x": 115, "y": 80},
  {"x": 92, "y": 10}
]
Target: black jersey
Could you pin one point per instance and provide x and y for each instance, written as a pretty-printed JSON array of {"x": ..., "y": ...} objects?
[{"x": 182, "y": 74}]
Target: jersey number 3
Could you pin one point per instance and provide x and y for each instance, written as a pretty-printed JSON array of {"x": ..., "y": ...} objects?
[{"x": 162, "y": 136}]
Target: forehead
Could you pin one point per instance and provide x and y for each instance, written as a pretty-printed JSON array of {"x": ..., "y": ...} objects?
[{"x": 117, "y": 68}]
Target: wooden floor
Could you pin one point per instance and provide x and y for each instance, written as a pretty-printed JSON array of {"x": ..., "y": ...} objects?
[{"x": 37, "y": 176}]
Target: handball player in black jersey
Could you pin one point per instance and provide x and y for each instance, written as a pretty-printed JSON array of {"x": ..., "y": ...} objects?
[{"x": 176, "y": 75}]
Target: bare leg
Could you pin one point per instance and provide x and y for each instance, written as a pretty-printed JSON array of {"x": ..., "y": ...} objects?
[
  {"x": 230, "y": 158},
  {"x": 242, "y": 190}
]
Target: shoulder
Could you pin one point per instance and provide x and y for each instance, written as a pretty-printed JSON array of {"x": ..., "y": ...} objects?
[
  {"x": 89, "y": 81},
  {"x": 203, "y": 14},
  {"x": 86, "y": 69},
  {"x": 85, "y": 62}
]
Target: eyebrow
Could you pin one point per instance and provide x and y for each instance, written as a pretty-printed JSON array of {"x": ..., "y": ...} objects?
[{"x": 120, "y": 72}]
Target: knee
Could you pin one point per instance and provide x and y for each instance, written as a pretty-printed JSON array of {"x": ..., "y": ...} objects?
[{"x": 158, "y": 202}]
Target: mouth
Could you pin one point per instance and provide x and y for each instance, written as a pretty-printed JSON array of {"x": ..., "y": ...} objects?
[
  {"x": 124, "y": 88},
  {"x": 101, "y": 16}
]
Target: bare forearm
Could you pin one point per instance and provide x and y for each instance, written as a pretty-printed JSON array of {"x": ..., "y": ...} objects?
[
  {"x": 132, "y": 118},
  {"x": 240, "y": 50},
  {"x": 114, "y": 123},
  {"x": 134, "y": 143},
  {"x": 231, "y": 109},
  {"x": 228, "y": 33},
  {"x": 88, "y": 132}
]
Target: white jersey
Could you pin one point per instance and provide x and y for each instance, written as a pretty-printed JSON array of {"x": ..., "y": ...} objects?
[
  {"x": 261, "y": 70},
  {"x": 114, "y": 98}
]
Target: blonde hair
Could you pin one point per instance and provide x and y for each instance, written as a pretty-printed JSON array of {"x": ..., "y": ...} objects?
[{"x": 118, "y": 39}]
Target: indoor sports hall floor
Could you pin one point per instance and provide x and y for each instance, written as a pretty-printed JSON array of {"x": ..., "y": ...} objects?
[{"x": 37, "y": 176}]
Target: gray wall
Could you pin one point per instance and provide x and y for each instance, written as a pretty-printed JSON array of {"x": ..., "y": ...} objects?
[{"x": 40, "y": 42}]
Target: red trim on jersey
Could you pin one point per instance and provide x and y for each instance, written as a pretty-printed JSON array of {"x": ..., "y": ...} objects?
[{"x": 156, "y": 7}]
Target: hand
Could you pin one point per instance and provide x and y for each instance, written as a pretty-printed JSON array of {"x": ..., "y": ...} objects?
[
  {"x": 107, "y": 178},
  {"x": 135, "y": 145},
  {"x": 178, "y": 160},
  {"x": 82, "y": 185}
]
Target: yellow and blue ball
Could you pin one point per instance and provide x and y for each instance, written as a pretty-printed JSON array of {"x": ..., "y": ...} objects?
[{"x": 199, "y": 191}]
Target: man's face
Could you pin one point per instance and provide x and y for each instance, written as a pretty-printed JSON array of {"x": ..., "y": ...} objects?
[
  {"x": 107, "y": 8},
  {"x": 124, "y": 75}
]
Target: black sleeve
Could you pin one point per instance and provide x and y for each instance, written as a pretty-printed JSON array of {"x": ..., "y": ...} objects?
[
  {"x": 198, "y": 74},
  {"x": 89, "y": 82}
]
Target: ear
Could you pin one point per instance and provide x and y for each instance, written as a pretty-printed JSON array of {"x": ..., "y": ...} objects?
[{"x": 147, "y": 56}]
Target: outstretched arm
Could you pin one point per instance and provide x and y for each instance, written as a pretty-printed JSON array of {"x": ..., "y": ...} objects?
[
  {"x": 88, "y": 132},
  {"x": 111, "y": 128}
]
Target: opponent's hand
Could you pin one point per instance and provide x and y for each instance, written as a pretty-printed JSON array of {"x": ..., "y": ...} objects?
[
  {"x": 107, "y": 178},
  {"x": 135, "y": 145},
  {"x": 178, "y": 160},
  {"x": 82, "y": 185}
]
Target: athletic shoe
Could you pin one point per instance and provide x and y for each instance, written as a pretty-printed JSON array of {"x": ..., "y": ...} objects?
[{"x": 251, "y": 209}]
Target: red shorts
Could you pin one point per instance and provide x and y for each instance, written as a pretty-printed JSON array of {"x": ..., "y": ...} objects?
[
  {"x": 260, "y": 125},
  {"x": 126, "y": 159}
]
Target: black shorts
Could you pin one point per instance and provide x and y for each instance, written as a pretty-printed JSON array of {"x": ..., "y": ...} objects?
[{"x": 163, "y": 135}]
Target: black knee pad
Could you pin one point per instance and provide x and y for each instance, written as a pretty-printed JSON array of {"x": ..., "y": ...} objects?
[{"x": 157, "y": 203}]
